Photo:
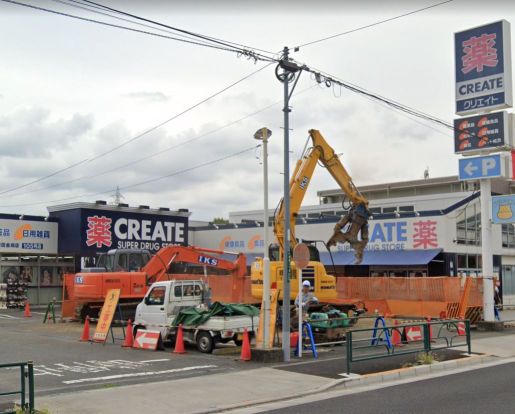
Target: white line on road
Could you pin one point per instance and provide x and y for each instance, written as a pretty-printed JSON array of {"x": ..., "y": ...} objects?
[
  {"x": 138, "y": 374},
  {"x": 3, "y": 316},
  {"x": 148, "y": 361}
]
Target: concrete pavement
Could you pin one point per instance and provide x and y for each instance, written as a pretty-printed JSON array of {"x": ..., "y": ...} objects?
[{"x": 209, "y": 393}]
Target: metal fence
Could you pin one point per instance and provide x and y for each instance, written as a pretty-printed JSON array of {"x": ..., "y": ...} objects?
[
  {"x": 384, "y": 341},
  {"x": 26, "y": 390}
]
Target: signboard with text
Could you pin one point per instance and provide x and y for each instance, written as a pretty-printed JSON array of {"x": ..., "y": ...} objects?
[
  {"x": 483, "y": 68},
  {"x": 106, "y": 315},
  {"x": 29, "y": 237},
  {"x": 488, "y": 132}
]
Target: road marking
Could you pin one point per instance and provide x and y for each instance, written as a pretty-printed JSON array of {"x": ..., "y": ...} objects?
[
  {"x": 3, "y": 316},
  {"x": 138, "y": 374},
  {"x": 155, "y": 360}
]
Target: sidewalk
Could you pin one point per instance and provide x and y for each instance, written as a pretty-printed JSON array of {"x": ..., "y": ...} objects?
[{"x": 190, "y": 395}]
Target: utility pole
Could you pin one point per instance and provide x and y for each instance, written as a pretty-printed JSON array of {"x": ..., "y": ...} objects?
[
  {"x": 286, "y": 201},
  {"x": 288, "y": 74}
]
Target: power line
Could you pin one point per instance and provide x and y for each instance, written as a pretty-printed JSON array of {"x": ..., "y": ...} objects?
[
  {"x": 205, "y": 164},
  {"x": 77, "y": 4},
  {"x": 373, "y": 24},
  {"x": 209, "y": 38},
  {"x": 157, "y": 153},
  {"x": 330, "y": 80},
  {"x": 239, "y": 52},
  {"x": 137, "y": 137}
]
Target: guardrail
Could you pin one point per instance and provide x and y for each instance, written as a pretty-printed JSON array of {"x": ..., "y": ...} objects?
[
  {"x": 410, "y": 338},
  {"x": 26, "y": 378}
]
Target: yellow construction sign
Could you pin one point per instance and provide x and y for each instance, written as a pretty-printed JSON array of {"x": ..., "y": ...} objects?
[{"x": 106, "y": 315}]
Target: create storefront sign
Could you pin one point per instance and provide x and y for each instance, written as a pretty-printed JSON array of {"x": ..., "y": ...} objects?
[
  {"x": 104, "y": 230},
  {"x": 28, "y": 237},
  {"x": 483, "y": 68},
  {"x": 421, "y": 233}
]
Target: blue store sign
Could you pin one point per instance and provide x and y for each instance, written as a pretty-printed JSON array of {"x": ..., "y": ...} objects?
[
  {"x": 483, "y": 68},
  {"x": 503, "y": 209},
  {"x": 89, "y": 231}
]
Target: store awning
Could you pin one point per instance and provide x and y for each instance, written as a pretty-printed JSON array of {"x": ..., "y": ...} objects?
[{"x": 382, "y": 257}]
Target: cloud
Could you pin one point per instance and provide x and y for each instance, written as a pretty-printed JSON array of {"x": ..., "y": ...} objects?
[
  {"x": 30, "y": 132},
  {"x": 148, "y": 96}
]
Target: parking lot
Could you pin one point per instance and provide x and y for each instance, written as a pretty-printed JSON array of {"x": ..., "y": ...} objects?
[{"x": 62, "y": 363}]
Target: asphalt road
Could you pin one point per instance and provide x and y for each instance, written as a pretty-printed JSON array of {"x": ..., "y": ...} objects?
[
  {"x": 63, "y": 364},
  {"x": 474, "y": 392}
]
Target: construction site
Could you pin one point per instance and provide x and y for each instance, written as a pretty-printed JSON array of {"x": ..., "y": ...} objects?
[{"x": 308, "y": 256}]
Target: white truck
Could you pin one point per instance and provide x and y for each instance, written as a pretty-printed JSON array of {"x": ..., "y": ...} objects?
[{"x": 163, "y": 302}]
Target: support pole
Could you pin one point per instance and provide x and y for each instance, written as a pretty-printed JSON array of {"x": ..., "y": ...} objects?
[
  {"x": 486, "y": 250},
  {"x": 300, "y": 314},
  {"x": 286, "y": 201},
  {"x": 266, "y": 259}
]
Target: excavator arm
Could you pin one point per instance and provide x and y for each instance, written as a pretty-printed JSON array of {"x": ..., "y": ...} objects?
[
  {"x": 157, "y": 267},
  {"x": 322, "y": 152}
]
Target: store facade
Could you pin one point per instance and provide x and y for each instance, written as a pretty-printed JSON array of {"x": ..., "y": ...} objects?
[{"x": 29, "y": 256}]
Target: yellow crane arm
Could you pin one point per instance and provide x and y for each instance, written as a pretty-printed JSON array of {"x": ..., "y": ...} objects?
[{"x": 301, "y": 177}]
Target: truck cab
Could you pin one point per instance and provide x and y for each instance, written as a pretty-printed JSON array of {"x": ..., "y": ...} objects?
[
  {"x": 164, "y": 300},
  {"x": 120, "y": 260}
]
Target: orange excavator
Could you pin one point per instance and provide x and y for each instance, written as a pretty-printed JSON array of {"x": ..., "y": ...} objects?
[{"x": 84, "y": 292}]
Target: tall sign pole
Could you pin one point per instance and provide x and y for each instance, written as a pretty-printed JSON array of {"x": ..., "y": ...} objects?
[
  {"x": 483, "y": 84},
  {"x": 286, "y": 201}
]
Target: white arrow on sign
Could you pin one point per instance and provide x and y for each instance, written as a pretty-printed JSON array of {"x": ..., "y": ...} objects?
[
  {"x": 413, "y": 334},
  {"x": 143, "y": 339},
  {"x": 470, "y": 168}
]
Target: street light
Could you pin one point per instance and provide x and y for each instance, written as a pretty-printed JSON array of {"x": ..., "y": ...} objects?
[{"x": 263, "y": 134}]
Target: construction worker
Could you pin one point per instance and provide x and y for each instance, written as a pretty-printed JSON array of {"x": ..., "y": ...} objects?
[
  {"x": 357, "y": 221},
  {"x": 306, "y": 296}
]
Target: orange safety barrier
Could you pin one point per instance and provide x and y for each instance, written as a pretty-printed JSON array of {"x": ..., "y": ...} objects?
[{"x": 425, "y": 296}]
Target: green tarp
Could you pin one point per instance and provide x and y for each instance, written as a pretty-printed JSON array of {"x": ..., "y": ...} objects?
[{"x": 195, "y": 317}]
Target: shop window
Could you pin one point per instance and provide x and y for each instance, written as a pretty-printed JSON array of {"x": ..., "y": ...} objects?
[
  {"x": 47, "y": 277},
  {"x": 508, "y": 236},
  {"x": 389, "y": 209},
  {"x": 468, "y": 226},
  {"x": 406, "y": 208},
  {"x": 508, "y": 280}
]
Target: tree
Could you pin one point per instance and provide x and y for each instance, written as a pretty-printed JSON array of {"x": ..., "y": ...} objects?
[{"x": 220, "y": 220}]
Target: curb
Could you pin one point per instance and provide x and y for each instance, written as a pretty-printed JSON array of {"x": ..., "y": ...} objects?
[
  {"x": 416, "y": 371},
  {"x": 356, "y": 380}
]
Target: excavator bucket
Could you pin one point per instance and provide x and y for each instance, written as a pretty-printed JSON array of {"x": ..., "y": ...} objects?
[{"x": 354, "y": 224}]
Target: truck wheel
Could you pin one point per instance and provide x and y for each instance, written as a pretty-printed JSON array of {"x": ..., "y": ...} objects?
[{"x": 205, "y": 342}]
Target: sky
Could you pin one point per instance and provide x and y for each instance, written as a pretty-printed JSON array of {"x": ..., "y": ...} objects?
[{"x": 72, "y": 91}]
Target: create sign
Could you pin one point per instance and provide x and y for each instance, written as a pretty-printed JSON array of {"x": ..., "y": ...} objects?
[{"x": 483, "y": 68}]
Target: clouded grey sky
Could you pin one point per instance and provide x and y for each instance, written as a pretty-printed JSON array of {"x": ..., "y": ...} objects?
[{"x": 70, "y": 90}]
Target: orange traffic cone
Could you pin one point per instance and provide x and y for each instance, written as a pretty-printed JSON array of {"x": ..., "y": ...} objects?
[
  {"x": 129, "y": 338},
  {"x": 179, "y": 342},
  {"x": 85, "y": 331},
  {"x": 26, "y": 311},
  {"x": 245, "y": 348},
  {"x": 396, "y": 335}
]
